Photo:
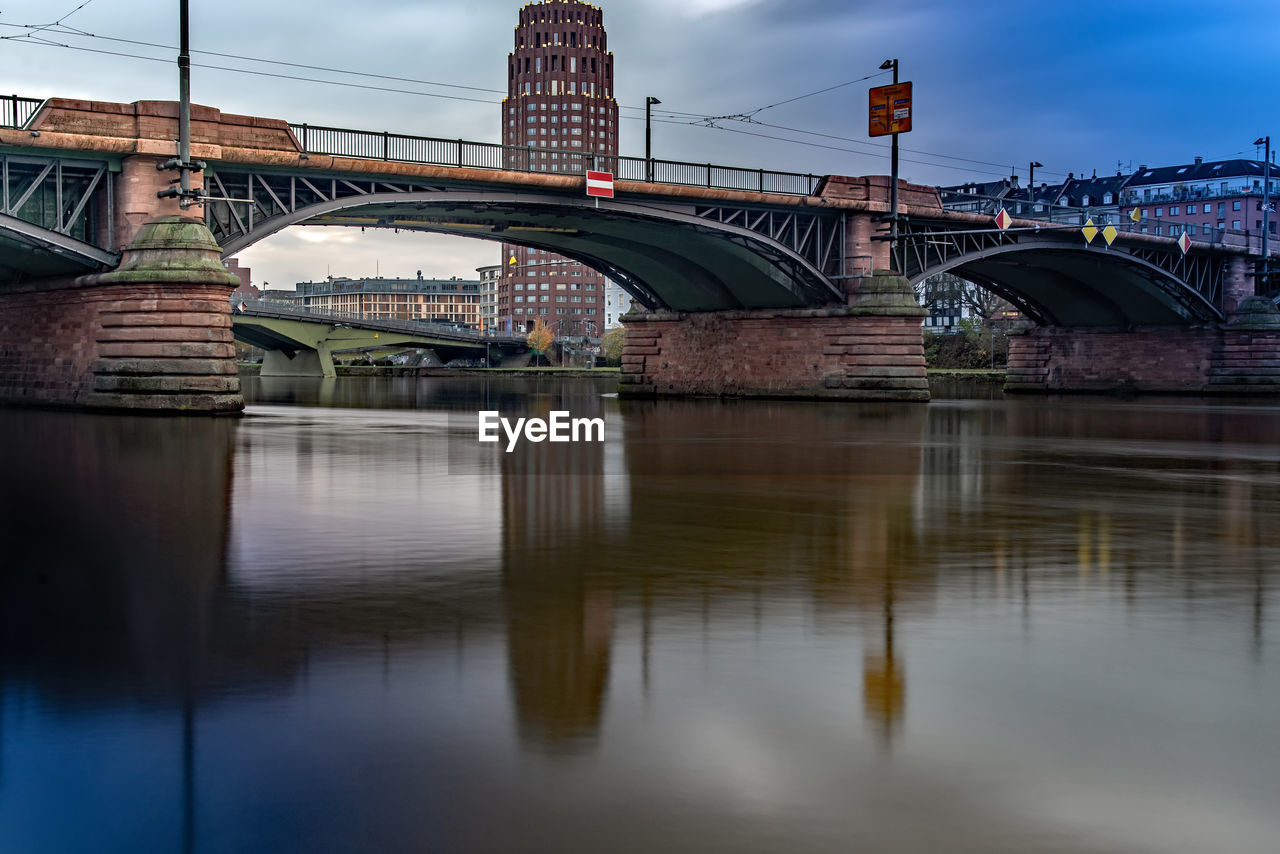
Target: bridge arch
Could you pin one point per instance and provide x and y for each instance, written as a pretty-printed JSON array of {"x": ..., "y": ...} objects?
[
  {"x": 1056, "y": 281},
  {"x": 665, "y": 258}
]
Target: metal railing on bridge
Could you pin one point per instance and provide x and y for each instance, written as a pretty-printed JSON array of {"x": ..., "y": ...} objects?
[
  {"x": 433, "y": 151},
  {"x": 284, "y": 311},
  {"x": 16, "y": 111}
]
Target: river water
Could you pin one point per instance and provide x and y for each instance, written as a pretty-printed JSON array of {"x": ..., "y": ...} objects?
[{"x": 342, "y": 624}]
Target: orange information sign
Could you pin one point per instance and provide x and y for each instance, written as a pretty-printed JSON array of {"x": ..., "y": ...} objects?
[{"x": 890, "y": 109}]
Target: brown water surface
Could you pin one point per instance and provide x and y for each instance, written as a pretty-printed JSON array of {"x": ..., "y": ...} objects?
[{"x": 342, "y": 624}]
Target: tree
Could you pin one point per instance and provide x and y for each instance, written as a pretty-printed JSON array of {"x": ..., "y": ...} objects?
[
  {"x": 950, "y": 293},
  {"x": 612, "y": 345},
  {"x": 540, "y": 337},
  {"x": 940, "y": 293}
]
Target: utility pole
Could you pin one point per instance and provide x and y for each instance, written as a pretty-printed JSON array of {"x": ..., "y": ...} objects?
[
  {"x": 1266, "y": 209},
  {"x": 1031, "y": 185},
  {"x": 183, "y": 193},
  {"x": 893, "y": 168},
  {"x": 648, "y": 137}
]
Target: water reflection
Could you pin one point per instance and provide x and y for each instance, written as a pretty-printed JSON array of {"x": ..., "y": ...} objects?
[{"x": 707, "y": 635}]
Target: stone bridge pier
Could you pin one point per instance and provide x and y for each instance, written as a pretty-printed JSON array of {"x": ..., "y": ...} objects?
[
  {"x": 153, "y": 335},
  {"x": 867, "y": 348},
  {"x": 1239, "y": 356}
]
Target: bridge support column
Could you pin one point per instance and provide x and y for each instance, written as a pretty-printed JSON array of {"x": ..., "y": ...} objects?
[
  {"x": 153, "y": 335},
  {"x": 1237, "y": 285},
  {"x": 135, "y": 195},
  {"x": 869, "y": 350},
  {"x": 302, "y": 363}
]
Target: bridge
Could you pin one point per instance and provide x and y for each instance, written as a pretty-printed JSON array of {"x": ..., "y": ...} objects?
[
  {"x": 715, "y": 255},
  {"x": 299, "y": 342}
]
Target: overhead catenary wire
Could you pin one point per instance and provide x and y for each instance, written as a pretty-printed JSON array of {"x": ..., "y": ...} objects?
[{"x": 34, "y": 34}]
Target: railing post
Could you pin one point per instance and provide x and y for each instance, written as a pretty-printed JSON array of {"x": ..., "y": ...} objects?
[
  {"x": 708, "y": 174},
  {"x": 14, "y": 98},
  {"x": 460, "y": 163},
  {"x": 761, "y": 180},
  {"x": 386, "y": 145},
  {"x": 305, "y": 144}
]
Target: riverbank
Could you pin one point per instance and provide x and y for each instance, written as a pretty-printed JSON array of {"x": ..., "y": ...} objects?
[{"x": 974, "y": 374}]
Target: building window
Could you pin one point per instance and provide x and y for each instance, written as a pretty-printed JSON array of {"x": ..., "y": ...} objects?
[
  {"x": 1235, "y": 206},
  {"x": 1159, "y": 211},
  {"x": 1235, "y": 224},
  {"x": 1173, "y": 210},
  {"x": 1208, "y": 208}
]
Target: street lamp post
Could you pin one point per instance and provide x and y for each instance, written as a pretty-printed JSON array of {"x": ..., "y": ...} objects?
[
  {"x": 649, "y": 102},
  {"x": 588, "y": 332},
  {"x": 1031, "y": 184},
  {"x": 893, "y": 167},
  {"x": 1266, "y": 207}
]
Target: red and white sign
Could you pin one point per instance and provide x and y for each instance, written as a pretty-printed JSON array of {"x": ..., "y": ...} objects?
[
  {"x": 1184, "y": 242},
  {"x": 600, "y": 184},
  {"x": 1003, "y": 220}
]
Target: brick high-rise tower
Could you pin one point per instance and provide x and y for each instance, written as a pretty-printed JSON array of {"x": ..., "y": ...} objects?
[{"x": 560, "y": 103}]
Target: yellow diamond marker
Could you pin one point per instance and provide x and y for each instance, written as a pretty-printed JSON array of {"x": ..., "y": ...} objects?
[
  {"x": 1109, "y": 234},
  {"x": 1003, "y": 219},
  {"x": 1135, "y": 215},
  {"x": 1089, "y": 231}
]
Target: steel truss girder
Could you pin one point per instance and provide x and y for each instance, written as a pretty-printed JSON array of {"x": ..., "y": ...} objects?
[
  {"x": 248, "y": 198},
  {"x": 811, "y": 235},
  {"x": 53, "y": 193},
  {"x": 926, "y": 247}
]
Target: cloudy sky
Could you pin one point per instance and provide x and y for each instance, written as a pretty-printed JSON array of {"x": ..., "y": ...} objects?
[{"x": 1076, "y": 86}]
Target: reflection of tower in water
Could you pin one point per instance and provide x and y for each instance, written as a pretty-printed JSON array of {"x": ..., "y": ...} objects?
[{"x": 559, "y": 607}]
